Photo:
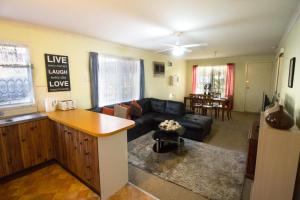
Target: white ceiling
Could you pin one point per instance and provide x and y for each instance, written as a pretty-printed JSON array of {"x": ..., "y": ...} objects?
[{"x": 230, "y": 27}]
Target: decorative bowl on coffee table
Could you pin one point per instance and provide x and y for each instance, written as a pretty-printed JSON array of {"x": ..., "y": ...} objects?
[{"x": 167, "y": 137}]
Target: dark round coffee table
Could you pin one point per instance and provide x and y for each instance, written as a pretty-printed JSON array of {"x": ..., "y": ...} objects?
[{"x": 167, "y": 141}]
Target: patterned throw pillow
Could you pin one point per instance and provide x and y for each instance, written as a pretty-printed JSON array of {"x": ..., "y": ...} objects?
[
  {"x": 108, "y": 111},
  {"x": 121, "y": 111},
  {"x": 135, "y": 109}
]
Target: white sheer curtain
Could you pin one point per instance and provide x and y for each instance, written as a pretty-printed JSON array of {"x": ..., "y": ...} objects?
[
  {"x": 214, "y": 75},
  {"x": 119, "y": 79},
  {"x": 15, "y": 76}
]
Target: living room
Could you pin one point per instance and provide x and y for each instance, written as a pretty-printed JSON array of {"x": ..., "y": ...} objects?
[{"x": 161, "y": 66}]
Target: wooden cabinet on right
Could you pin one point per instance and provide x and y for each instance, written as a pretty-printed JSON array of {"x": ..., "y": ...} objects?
[
  {"x": 78, "y": 152},
  {"x": 277, "y": 163}
]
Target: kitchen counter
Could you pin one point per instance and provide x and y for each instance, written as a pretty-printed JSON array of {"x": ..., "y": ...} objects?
[
  {"x": 21, "y": 119},
  {"x": 95, "y": 124}
]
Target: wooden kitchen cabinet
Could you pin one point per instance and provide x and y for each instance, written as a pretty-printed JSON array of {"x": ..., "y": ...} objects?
[
  {"x": 25, "y": 145},
  {"x": 36, "y": 142},
  {"x": 10, "y": 151},
  {"x": 78, "y": 152}
]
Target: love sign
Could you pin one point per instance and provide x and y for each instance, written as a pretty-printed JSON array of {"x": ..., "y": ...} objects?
[{"x": 57, "y": 71}]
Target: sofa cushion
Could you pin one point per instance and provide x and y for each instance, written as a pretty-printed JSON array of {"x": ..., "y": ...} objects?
[
  {"x": 196, "y": 121},
  {"x": 145, "y": 104},
  {"x": 146, "y": 118},
  {"x": 158, "y": 105},
  {"x": 174, "y": 108},
  {"x": 162, "y": 117}
]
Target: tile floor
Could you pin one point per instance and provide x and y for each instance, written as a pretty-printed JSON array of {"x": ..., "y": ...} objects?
[{"x": 54, "y": 183}]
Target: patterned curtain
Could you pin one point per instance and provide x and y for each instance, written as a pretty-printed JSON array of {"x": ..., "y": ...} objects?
[
  {"x": 213, "y": 76},
  {"x": 15, "y": 75}
]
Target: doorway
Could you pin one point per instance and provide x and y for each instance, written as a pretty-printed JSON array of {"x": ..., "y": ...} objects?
[{"x": 258, "y": 81}]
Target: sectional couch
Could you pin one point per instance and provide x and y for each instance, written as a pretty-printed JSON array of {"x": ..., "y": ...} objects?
[{"x": 156, "y": 111}]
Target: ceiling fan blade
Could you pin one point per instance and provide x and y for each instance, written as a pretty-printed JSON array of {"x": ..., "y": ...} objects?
[
  {"x": 164, "y": 50},
  {"x": 169, "y": 45},
  {"x": 194, "y": 45},
  {"x": 187, "y": 50}
]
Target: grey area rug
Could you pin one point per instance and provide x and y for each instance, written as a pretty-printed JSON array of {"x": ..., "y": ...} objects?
[{"x": 215, "y": 173}]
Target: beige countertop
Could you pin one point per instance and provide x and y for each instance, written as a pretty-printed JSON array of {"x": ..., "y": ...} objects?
[{"x": 96, "y": 124}]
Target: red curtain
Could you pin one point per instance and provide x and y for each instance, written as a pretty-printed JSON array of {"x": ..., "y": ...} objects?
[
  {"x": 229, "y": 80},
  {"x": 194, "y": 79}
]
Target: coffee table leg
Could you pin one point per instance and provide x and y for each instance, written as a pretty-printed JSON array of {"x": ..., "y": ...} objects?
[{"x": 157, "y": 145}]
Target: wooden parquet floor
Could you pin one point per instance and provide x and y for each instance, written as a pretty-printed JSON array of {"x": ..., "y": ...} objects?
[{"x": 54, "y": 183}]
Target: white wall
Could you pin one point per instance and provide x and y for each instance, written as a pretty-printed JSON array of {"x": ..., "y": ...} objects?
[
  {"x": 239, "y": 77},
  {"x": 290, "y": 97},
  {"x": 41, "y": 40}
]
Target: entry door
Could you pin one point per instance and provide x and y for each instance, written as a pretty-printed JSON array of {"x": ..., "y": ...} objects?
[{"x": 258, "y": 81}]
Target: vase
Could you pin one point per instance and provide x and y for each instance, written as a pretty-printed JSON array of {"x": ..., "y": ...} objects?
[{"x": 280, "y": 119}]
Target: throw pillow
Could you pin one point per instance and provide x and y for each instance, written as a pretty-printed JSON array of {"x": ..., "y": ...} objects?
[
  {"x": 120, "y": 111},
  {"x": 135, "y": 109},
  {"x": 128, "y": 111},
  {"x": 108, "y": 111}
]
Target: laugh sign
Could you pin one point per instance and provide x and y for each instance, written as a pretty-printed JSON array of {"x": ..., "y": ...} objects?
[{"x": 57, "y": 70}]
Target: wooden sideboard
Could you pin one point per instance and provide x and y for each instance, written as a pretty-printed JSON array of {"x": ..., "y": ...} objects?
[{"x": 277, "y": 163}]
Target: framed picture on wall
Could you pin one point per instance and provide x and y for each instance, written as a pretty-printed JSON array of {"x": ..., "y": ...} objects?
[
  {"x": 158, "y": 68},
  {"x": 291, "y": 72}
]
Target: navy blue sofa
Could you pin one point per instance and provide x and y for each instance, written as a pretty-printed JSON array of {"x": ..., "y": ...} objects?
[{"x": 156, "y": 111}]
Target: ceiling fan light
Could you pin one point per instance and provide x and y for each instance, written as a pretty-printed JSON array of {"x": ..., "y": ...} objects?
[{"x": 178, "y": 51}]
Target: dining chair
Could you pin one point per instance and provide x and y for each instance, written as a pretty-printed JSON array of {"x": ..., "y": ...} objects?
[
  {"x": 208, "y": 105},
  {"x": 197, "y": 104},
  {"x": 227, "y": 107}
]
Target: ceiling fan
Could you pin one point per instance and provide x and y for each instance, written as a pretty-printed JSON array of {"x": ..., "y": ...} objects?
[{"x": 178, "y": 49}]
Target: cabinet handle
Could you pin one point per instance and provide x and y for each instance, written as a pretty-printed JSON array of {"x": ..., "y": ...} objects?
[
  {"x": 88, "y": 167},
  {"x": 31, "y": 128},
  {"x": 86, "y": 153},
  {"x": 86, "y": 139},
  {"x": 69, "y": 132},
  {"x": 4, "y": 134},
  {"x": 23, "y": 140}
]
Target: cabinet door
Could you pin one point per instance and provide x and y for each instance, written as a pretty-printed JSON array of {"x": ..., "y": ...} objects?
[
  {"x": 31, "y": 144},
  {"x": 47, "y": 139},
  {"x": 11, "y": 157},
  {"x": 61, "y": 145},
  {"x": 3, "y": 166},
  {"x": 71, "y": 146},
  {"x": 91, "y": 161}
]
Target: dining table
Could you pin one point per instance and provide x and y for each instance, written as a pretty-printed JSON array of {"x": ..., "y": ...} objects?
[{"x": 220, "y": 100}]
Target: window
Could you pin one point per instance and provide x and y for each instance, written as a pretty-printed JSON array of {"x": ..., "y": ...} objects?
[
  {"x": 118, "y": 79},
  {"x": 215, "y": 76},
  {"x": 15, "y": 76}
]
